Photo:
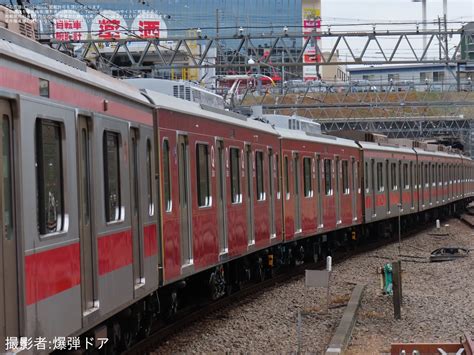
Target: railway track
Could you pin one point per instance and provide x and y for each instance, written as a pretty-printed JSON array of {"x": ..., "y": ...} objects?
[{"x": 197, "y": 312}]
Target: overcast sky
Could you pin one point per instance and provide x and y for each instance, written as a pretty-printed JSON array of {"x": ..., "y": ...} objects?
[
  {"x": 337, "y": 11},
  {"x": 357, "y": 12}
]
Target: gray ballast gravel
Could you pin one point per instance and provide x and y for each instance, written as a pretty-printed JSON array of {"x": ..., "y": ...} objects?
[{"x": 438, "y": 305}]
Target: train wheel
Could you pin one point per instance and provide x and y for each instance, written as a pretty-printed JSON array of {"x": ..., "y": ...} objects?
[
  {"x": 172, "y": 305},
  {"x": 299, "y": 257},
  {"x": 259, "y": 270},
  {"x": 316, "y": 252},
  {"x": 217, "y": 284}
]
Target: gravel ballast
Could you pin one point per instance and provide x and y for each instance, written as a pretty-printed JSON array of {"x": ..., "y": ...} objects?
[{"x": 438, "y": 306}]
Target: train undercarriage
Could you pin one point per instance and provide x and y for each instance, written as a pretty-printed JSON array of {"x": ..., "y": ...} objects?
[{"x": 164, "y": 306}]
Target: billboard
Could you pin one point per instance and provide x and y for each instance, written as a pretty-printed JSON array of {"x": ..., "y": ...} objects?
[
  {"x": 311, "y": 20},
  {"x": 71, "y": 25}
]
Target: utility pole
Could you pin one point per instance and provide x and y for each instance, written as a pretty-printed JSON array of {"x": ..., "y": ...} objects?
[
  {"x": 424, "y": 22},
  {"x": 218, "y": 52},
  {"x": 423, "y": 10},
  {"x": 439, "y": 42},
  {"x": 446, "y": 49}
]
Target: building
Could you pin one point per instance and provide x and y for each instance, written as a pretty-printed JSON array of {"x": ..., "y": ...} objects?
[
  {"x": 334, "y": 73},
  {"x": 104, "y": 20},
  {"x": 175, "y": 17},
  {"x": 467, "y": 46},
  {"x": 420, "y": 77}
]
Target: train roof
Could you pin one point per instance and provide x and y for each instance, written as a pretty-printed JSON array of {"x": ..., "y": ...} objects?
[
  {"x": 19, "y": 48},
  {"x": 385, "y": 147},
  {"x": 424, "y": 152},
  {"x": 163, "y": 101},
  {"x": 407, "y": 150},
  {"x": 286, "y": 133}
]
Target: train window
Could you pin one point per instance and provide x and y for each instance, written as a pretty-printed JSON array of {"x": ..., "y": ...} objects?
[
  {"x": 380, "y": 186},
  {"x": 235, "y": 175},
  {"x": 49, "y": 177},
  {"x": 420, "y": 177},
  {"x": 259, "y": 176},
  {"x": 405, "y": 177},
  {"x": 44, "y": 87},
  {"x": 318, "y": 172},
  {"x": 440, "y": 176},
  {"x": 203, "y": 182},
  {"x": 433, "y": 174},
  {"x": 7, "y": 179},
  {"x": 111, "y": 176},
  {"x": 345, "y": 177},
  {"x": 287, "y": 178},
  {"x": 372, "y": 175},
  {"x": 366, "y": 176},
  {"x": 393, "y": 176},
  {"x": 356, "y": 175},
  {"x": 308, "y": 186},
  {"x": 327, "y": 176},
  {"x": 149, "y": 178},
  {"x": 166, "y": 176},
  {"x": 427, "y": 176},
  {"x": 277, "y": 164}
]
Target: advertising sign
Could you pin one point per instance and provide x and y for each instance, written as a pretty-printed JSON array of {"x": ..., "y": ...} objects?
[
  {"x": 69, "y": 25},
  {"x": 311, "y": 21},
  {"x": 109, "y": 25},
  {"x": 149, "y": 24}
]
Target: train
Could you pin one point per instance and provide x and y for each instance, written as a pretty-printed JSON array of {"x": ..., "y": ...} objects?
[{"x": 120, "y": 204}]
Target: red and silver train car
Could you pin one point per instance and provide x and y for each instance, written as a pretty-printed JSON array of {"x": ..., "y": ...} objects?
[
  {"x": 117, "y": 201},
  {"x": 321, "y": 186},
  {"x": 220, "y": 186},
  {"x": 389, "y": 181},
  {"x": 79, "y": 197}
]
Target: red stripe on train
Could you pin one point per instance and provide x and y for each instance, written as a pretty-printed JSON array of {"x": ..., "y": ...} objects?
[
  {"x": 51, "y": 272},
  {"x": 20, "y": 81},
  {"x": 95, "y": 103},
  {"x": 114, "y": 251}
]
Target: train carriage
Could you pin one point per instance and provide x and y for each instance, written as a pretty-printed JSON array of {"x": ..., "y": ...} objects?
[
  {"x": 468, "y": 174},
  {"x": 229, "y": 164},
  {"x": 81, "y": 235},
  {"x": 390, "y": 175},
  {"x": 321, "y": 182},
  {"x": 440, "y": 177}
]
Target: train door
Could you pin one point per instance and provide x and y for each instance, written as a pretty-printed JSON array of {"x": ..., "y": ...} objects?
[
  {"x": 401, "y": 183},
  {"x": 296, "y": 163},
  {"x": 249, "y": 170},
  {"x": 412, "y": 186},
  {"x": 185, "y": 200},
  {"x": 372, "y": 179},
  {"x": 221, "y": 197},
  {"x": 271, "y": 193},
  {"x": 320, "y": 195},
  {"x": 9, "y": 313},
  {"x": 137, "y": 238},
  {"x": 429, "y": 178},
  {"x": 354, "y": 189},
  {"x": 87, "y": 244},
  {"x": 338, "y": 194}
]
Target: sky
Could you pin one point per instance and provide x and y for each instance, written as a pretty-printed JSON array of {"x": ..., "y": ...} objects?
[
  {"x": 343, "y": 11},
  {"x": 358, "y": 12}
]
